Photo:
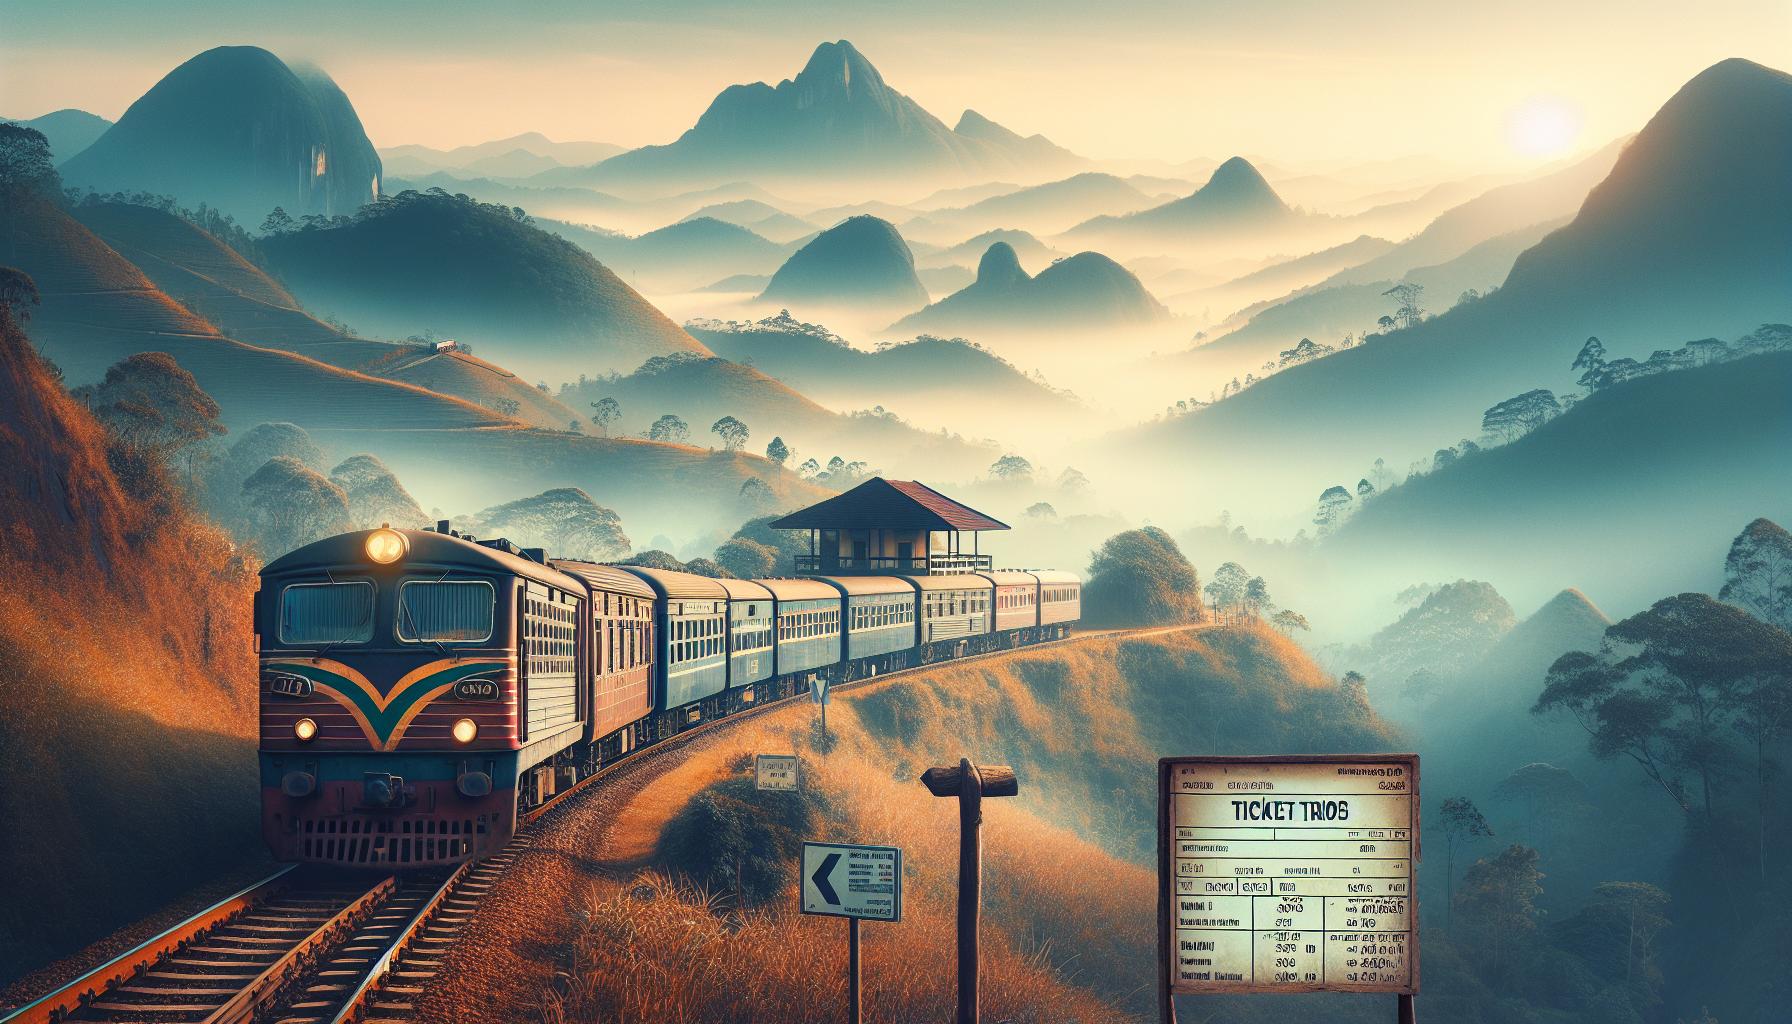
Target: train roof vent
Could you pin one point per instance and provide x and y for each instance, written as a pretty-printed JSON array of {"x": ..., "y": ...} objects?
[
  {"x": 536, "y": 554},
  {"x": 501, "y": 544}
]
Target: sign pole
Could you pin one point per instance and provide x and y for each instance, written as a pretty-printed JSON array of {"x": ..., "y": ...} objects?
[
  {"x": 970, "y": 785},
  {"x": 970, "y": 886},
  {"x": 853, "y": 1011},
  {"x": 1407, "y": 1013}
]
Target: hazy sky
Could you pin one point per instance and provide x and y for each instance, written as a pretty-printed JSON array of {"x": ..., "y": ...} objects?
[{"x": 1296, "y": 81}]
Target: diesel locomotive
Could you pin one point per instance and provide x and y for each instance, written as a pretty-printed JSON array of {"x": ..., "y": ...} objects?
[{"x": 420, "y": 690}]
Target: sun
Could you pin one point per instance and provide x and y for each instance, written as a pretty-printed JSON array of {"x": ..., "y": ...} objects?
[{"x": 1543, "y": 126}]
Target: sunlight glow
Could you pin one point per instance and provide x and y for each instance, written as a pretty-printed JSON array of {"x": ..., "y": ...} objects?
[{"x": 1543, "y": 126}]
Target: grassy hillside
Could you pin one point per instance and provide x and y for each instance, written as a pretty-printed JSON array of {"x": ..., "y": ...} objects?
[
  {"x": 245, "y": 303},
  {"x": 132, "y": 801},
  {"x": 426, "y": 261},
  {"x": 1068, "y": 922},
  {"x": 702, "y": 391}
]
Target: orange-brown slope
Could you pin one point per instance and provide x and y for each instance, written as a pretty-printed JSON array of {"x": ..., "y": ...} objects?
[{"x": 125, "y": 620}]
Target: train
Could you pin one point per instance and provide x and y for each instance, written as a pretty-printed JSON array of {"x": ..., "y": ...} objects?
[{"x": 422, "y": 691}]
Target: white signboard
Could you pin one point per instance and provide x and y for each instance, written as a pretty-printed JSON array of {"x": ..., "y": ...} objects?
[
  {"x": 1289, "y": 874},
  {"x": 818, "y": 691},
  {"x": 775, "y": 772},
  {"x": 852, "y": 881}
]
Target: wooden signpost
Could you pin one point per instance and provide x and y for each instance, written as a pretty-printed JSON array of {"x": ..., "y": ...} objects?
[
  {"x": 1288, "y": 874},
  {"x": 970, "y": 784}
]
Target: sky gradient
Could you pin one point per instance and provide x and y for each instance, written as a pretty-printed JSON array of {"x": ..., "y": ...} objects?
[{"x": 1305, "y": 83}]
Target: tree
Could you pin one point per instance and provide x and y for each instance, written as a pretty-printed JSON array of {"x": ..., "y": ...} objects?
[
  {"x": 27, "y": 168},
  {"x": 1461, "y": 823},
  {"x": 1620, "y": 924},
  {"x": 1545, "y": 791},
  {"x": 1041, "y": 510},
  {"x": 1011, "y": 467},
  {"x": 1227, "y": 588},
  {"x": 1590, "y": 360},
  {"x": 278, "y": 222},
  {"x": 1140, "y": 577},
  {"x": 1498, "y": 908},
  {"x": 778, "y": 452},
  {"x": 1072, "y": 480},
  {"x": 604, "y": 412},
  {"x": 1664, "y": 685},
  {"x": 153, "y": 407},
  {"x": 733, "y": 433},
  {"x": 17, "y": 292},
  {"x": 1334, "y": 504},
  {"x": 1256, "y": 596},
  {"x": 809, "y": 469},
  {"x": 1288, "y": 620},
  {"x": 575, "y": 427},
  {"x": 504, "y": 406},
  {"x": 1515, "y": 417},
  {"x": 1407, "y": 309},
  {"x": 670, "y": 429},
  {"x": 566, "y": 521},
  {"x": 290, "y": 505},
  {"x": 756, "y": 498},
  {"x": 1758, "y": 572},
  {"x": 747, "y": 559},
  {"x": 375, "y": 496}
]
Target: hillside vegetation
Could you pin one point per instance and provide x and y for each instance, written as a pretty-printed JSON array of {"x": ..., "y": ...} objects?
[{"x": 129, "y": 800}]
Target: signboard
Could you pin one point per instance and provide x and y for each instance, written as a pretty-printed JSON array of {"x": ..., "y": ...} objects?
[
  {"x": 864, "y": 882},
  {"x": 775, "y": 772},
  {"x": 1288, "y": 874},
  {"x": 818, "y": 690}
]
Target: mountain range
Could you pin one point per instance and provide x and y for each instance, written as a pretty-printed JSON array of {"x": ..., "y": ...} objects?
[
  {"x": 240, "y": 130},
  {"x": 1685, "y": 238},
  {"x": 1235, "y": 201},
  {"x": 518, "y": 156},
  {"x": 69, "y": 131},
  {"x": 837, "y": 118},
  {"x": 1082, "y": 291}
]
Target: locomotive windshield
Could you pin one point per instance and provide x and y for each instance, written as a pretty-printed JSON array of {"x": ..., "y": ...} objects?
[
  {"x": 327, "y": 613},
  {"x": 451, "y": 611}
]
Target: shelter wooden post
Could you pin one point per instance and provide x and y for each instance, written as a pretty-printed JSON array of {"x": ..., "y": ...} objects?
[{"x": 970, "y": 784}]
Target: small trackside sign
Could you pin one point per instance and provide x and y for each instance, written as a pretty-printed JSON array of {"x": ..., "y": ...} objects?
[
  {"x": 775, "y": 772},
  {"x": 863, "y": 882}
]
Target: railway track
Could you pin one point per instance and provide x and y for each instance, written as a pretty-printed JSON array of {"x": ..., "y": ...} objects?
[{"x": 310, "y": 946}]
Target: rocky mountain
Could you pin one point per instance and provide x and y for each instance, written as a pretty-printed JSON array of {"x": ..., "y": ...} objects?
[
  {"x": 1085, "y": 290},
  {"x": 69, "y": 130},
  {"x": 836, "y": 118},
  {"x": 1235, "y": 200},
  {"x": 238, "y": 129},
  {"x": 479, "y": 274},
  {"x": 1684, "y": 239},
  {"x": 861, "y": 260}
]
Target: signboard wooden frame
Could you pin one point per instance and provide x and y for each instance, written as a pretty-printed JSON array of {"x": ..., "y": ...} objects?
[
  {"x": 1166, "y": 895},
  {"x": 768, "y": 769}
]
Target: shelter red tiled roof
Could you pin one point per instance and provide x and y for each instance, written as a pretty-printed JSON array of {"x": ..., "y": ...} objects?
[{"x": 889, "y": 504}]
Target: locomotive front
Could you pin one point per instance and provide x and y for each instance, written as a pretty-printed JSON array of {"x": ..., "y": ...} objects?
[{"x": 388, "y": 699}]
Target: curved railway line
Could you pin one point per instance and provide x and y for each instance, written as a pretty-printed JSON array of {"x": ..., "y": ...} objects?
[{"x": 313, "y": 946}]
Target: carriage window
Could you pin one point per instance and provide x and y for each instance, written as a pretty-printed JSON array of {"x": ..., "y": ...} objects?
[
  {"x": 327, "y": 613},
  {"x": 458, "y": 611}
]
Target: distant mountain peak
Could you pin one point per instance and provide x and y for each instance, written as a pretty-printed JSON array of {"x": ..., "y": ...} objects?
[
  {"x": 1000, "y": 267},
  {"x": 1239, "y": 180},
  {"x": 839, "y": 65}
]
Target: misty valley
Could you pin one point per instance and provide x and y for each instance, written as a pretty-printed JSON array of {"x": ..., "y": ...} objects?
[{"x": 925, "y": 435}]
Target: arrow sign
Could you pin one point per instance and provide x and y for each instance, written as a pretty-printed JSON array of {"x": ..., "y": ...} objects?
[
  {"x": 820, "y": 878},
  {"x": 862, "y": 882}
]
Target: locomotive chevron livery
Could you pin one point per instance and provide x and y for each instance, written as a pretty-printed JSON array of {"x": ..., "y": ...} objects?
[{"x": 421, "y": 690}]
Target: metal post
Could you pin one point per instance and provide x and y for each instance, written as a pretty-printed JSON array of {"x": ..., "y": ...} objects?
[
  {"x": 1406, "y": 1011},
  {"x": 853, "y": 1012},
  {"x": 970, "y": 885}
]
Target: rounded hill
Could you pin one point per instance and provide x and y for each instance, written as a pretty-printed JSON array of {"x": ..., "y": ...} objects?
[{"x": 861, "y": 259}]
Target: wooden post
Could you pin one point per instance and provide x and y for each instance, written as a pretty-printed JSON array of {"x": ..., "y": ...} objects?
[
  {"x": 853, "y": 1012},
  {"x": 1406, "y": 1011},
  {"x": 970, "y": 784}
]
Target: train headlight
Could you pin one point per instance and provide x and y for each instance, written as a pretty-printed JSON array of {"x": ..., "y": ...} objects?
[
  {"x": 304, "y": 729},
  {"x": 385, "y": 546},
  {"x": 465, "y": 730}
]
